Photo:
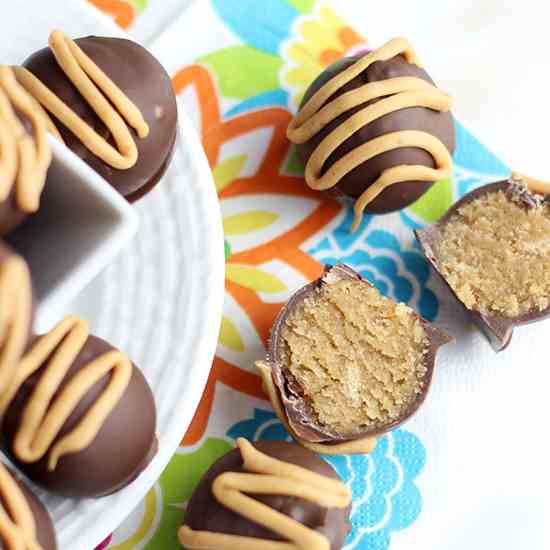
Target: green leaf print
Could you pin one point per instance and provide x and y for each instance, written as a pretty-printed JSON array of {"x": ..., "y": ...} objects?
[
  {"x": 303, "y": 6},
  {"x": 293, "y": 165},
  {"x": 140, "y": 5},
  {"x": 244, "y": 71},
  {"x": 433, "y": 204}
]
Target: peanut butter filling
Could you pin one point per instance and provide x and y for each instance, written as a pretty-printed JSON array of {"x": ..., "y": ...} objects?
[
  {"x": 357, "y": 358},
  {"x": 495, "y": 254},
  {"x": 392, "y": 94}
]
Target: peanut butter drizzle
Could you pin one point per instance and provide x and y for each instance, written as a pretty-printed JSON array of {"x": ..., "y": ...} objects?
[
  {"x": 534, "y": 185},
  {"x": 17, "y": 525},
  {"x": 101, "y": 93},
  {"x": 359, "y": 446},
  {"x": 24, "y": 158},
  {"x": 393, "y": 95},
  {"x": 268, "y": 476},
  {"x": 45, "y": 413},
  {"x": 15, "y": 315}
]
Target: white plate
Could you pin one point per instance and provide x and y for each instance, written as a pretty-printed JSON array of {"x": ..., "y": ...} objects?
[
  {"x": 81, "y": 226},
  {"x": 161, "y": 303}
]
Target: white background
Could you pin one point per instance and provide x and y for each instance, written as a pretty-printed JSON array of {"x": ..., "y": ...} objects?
[{"x": 492, "y": 55}]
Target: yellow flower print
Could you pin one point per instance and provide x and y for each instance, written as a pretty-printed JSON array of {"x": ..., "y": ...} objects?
[{"x": 319, "y": 40}]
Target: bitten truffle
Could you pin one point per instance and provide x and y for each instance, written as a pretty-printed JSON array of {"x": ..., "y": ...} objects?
[
  {"x": 268, "y": 491},
  {"x": 113, "y": 105},
  {"x": 375, "y": 129},
  {"x": 346, "y": 364},
  {"x": 492, "y": 249},
  {"x": 79, "y": 418}
]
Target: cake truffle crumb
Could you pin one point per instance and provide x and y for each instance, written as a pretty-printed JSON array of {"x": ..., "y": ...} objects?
[
  {"x": 357, "y": 357},
  {"x": 346, "y": 364},
  {"x": 494, "y": 252}
]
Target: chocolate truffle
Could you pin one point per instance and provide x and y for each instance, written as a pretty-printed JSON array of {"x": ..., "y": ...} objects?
[
  {"x": 26, "y": 523},
  {"x": 374, "y": 128},
  {"x": 346, "y": 364},
  {"x": 268, "y": 491},
  {"x": 492, "y": 249},
  {"x": 25, "y": 153},
  {"x": 16, "y": 312},
  {"x": 125, "y": 102},
  {"x": 79, "y": 418}
]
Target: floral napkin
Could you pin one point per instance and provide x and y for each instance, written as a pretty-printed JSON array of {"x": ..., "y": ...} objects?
[{"x": 241, "y": 68}]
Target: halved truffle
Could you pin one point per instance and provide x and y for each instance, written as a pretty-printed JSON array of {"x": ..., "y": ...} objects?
[
  {"x": 492, "y": 250},
  {"x": 346, "y": 364}
]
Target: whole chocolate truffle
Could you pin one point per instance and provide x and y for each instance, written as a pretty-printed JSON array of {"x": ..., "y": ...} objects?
[
  {"x": 143, "y": 80},
  {"x": 21, "y": 507},
  {"x": 17, "y": 312},
  {"x": 65, "y": 461},
  {"x": 346, "y": 364},
  {"x": 205, "y": 513},
  {"x": 492, "y": 251},
  {"x": 380, "y": 82}
]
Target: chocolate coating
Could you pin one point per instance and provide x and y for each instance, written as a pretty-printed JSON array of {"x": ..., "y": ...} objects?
[
  {"x": 206, "y": 514},
  {"x": 10, "y": 215},
  {"x": 124, "y": 446},
  {"x": 44, "y": 526},
  {"x": 299, "y": 414},
  {"x": 497, "y": 328},
  {"x": 145, "y": 82},
  {"x": 354, "y": 183},
  {"x": 5, "y": 252}
]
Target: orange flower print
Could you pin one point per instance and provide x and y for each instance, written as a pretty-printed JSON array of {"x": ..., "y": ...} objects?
[
  {"x": 122, "y": 11},
  {"x": 264, "y": 231}
]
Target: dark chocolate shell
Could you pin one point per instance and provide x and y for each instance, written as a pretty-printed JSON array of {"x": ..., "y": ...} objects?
[
  {"x": 205, "y": 513},
  {"x": 497, "y": 328},
  {"x": 299, "y": 417}
]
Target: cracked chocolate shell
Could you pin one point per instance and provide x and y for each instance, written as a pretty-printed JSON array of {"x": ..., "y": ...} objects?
[
  {"x": 346, "y": 364},
  {"x": 492, "y": 250}
]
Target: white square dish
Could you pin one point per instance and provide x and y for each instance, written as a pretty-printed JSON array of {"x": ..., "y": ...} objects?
[{"x": 81, "y": 226}]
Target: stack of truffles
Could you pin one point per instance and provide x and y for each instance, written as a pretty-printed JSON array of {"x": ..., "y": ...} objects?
[
  {"x": 77, "y": 416},
  {"x": 345, "y": 364}
]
